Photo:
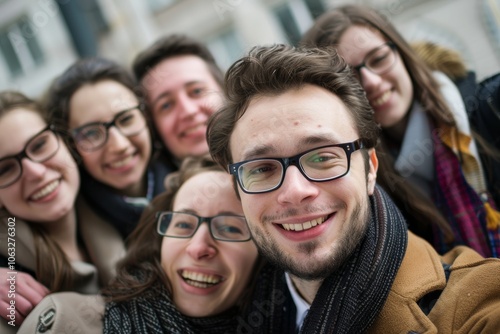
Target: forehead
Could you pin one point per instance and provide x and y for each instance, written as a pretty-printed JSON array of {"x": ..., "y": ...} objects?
[
  {"x": 357, "y": 41},
  {"x": 177, "y": 71},
  {"x": 17, "y": 126},
  {"x": 99, "y": 101},
  {"x": 291, "y": 122},
  {"x": 208, "y": 194}
]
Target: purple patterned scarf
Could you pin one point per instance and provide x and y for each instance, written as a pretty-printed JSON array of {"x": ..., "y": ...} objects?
[{"x": 460, "y": 205}]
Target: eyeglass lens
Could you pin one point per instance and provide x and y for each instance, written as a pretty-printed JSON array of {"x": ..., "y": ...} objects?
[
  {"x": 320, "y": 164},
  {"x": 378, "y": 61},
  {"x": 185, "y": 225},
  {"x": 381, "y": 59},
  {"x": 40, "y": 148},
  {"x": 95, "y": 135}
]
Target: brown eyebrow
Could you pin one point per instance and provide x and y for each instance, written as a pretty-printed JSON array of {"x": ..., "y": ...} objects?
[
  {"x": 221, "y": 213},
  {"x": 263, "y": 150}
]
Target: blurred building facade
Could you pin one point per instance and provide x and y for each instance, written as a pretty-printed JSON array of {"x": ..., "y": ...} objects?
[{"x": 40, "y": 38}]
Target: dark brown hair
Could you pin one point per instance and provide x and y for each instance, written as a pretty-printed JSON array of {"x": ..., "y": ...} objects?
[
  {"x": 53, "y": 268},
  {"x": 276, "y": 69},
  {"x": 173, "y": 46},
  {"x": 87, "y": 71},
  {"x": 141, "y": 268},
  {"x": 326, "y": 32},
  {"x": 329, "y": 28},
  {"x": 164, "y": 48}
]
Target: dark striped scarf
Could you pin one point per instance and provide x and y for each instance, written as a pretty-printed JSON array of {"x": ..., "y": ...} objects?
[
  {"x": 153, "y": 312},
  {"x": 351, "y": 298}
]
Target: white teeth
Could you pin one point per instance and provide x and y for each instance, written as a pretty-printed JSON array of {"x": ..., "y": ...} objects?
[
  {"x": 382, "y": 99},
  {"x": 193, "y": 129},
  {"x": 45, "y": 190},
  {"x": 200, "y": 280},
  {"x": 198, "y": 284},
  {"x": 121, "y": 163},
  {"x": 304, "y": 226}
]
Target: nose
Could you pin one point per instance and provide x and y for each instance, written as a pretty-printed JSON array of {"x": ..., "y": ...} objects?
[
  {"x": 296, "y": 188},
  {"x": 33, "y": 170},
  {"x": 117, "y": 142},
  {"x": 187, "y": 106},
  {"x": 202, "y": 245},
  {"x": 369, "y": 80}
]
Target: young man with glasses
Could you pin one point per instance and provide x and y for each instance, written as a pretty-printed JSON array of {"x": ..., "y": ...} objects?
[{"x": 298, "y": 134}]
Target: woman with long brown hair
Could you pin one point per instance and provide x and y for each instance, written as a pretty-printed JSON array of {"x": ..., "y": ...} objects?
[
  {"x": 47, "y": 243},
  {"x": 100, "y": 105},
  {"x": 444, "y": 178},
  {"x": 190, "y": 264},
  {"x": 179, "y": 273}
]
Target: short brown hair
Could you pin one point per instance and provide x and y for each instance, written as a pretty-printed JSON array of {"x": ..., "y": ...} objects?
[
  {"x": 273, "y": 70},
  {"x": 172, "y": 46}
]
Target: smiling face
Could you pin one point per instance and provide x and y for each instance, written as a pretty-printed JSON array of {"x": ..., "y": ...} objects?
[
  {"x": 391, "y": 93},
  {"x": 121, "y": 163},
  {"x": 46, "y": 191},
  {"x": 207, "y": 276},
  {"x": 182, "y": 94},
  {"x": 325, "y": 220}
]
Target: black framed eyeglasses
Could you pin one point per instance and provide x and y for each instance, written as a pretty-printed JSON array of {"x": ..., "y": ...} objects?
[
  {"x": 39, "y": 148},
  {"x": 92, "y": 136},
  {"x": 320, "y": 164},
  {"x": 184, "y": 225},
  {"x": 380, "y": 60}
]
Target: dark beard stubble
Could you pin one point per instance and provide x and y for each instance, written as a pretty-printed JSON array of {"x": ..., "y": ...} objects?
[{"x": 322, "y": 268}]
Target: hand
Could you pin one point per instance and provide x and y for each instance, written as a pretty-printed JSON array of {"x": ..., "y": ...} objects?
[{"x": 19, "y": 294}]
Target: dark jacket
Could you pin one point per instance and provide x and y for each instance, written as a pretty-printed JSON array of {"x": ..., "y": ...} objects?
[{"x": 482, "y": 101}]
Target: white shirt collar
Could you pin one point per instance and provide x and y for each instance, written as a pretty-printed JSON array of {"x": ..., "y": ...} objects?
[{"x": 301, "y": 305}]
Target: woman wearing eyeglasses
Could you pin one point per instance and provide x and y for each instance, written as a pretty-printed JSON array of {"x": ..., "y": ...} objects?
[
  {"x": 444, "y": 178},
  {"x": 189, "y": 266},
  {"x": 47, "y": 245},
  {"x": 100, "y": 105}
]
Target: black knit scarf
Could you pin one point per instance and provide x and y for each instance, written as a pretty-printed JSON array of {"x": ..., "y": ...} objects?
[
  {"x": 154, "y": 312},
  {"x": 122, "y": 214},
  {"x": 350, "y": 299}
]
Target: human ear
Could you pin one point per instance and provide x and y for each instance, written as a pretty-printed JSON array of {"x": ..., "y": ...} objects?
[{"x": 372, "y": 172}]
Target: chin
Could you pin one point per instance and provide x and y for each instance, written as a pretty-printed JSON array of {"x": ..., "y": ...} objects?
[
  {"x": 123, "y": 185},
  {"x": 188, "y": 311}
]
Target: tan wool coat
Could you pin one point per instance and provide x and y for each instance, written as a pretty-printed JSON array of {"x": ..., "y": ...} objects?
[
  {"x": 104, "y": 246},
  {"x": 469, "y": 302}
]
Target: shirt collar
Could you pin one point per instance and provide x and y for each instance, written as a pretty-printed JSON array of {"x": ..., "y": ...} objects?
[{"x": 300, "y": 304}]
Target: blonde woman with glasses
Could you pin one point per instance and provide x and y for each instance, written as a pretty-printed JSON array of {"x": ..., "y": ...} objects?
[{"x": 50, "y": 240}]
